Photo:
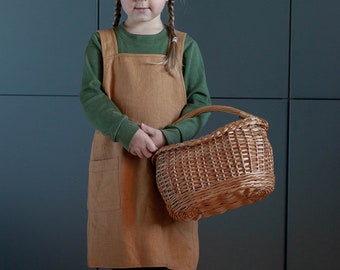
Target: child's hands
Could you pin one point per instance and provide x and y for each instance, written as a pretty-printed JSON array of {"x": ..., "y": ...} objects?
[
  {"x": 156, "y": 135},
  {"x": 146, "y": 141},
  {"x": 142, "y": 145}
]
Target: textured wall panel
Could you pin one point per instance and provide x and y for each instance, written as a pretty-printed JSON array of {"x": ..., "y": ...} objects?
[
  {"x": 244, "y": 44},
  {"x": 45, "y": 144},
  {"x": 314, "y": 162},
  {"x": 315, "y": 49},
  {"x": 42, "y": 47}
]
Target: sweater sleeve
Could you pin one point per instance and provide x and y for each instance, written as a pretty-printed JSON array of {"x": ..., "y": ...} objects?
[
  {"x": 197, "y": 95},
  {"x": 102, "y": 113}
]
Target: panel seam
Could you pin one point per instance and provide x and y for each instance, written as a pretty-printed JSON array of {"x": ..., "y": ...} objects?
[
  {"x": 98, "y": 14},
  {"x": 289, "y": 89}
]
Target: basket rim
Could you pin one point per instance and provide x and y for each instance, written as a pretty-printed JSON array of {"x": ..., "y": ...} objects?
[{"x": 251, "y": 120}]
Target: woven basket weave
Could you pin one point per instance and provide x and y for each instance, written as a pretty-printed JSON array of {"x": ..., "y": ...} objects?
[{"x": 231, "y": 167}]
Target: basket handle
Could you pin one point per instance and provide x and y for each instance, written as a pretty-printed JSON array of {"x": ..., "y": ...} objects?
[{"x": 214, "y": 108}]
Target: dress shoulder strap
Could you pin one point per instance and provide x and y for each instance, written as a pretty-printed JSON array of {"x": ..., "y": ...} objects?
[
  {"x": 108, "y": 42},
  {"x": 180, "y": 43}
]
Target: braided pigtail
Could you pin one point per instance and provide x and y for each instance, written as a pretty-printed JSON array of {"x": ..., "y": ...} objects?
[
  {"x": 118, "y": 13},
  {"x": 171, "y": 59}
]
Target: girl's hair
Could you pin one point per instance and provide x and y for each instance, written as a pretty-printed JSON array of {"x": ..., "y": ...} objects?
[{"x": 170, "y": 61}]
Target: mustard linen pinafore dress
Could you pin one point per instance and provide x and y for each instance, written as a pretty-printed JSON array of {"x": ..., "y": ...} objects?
[{"x": 128, "y": 225}]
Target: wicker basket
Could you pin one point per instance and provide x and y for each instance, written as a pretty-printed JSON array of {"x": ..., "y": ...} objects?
[{"x": 231, "y": 167}]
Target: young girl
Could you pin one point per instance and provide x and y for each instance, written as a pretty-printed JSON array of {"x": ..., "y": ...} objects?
[{"x": 139, "y": 77}]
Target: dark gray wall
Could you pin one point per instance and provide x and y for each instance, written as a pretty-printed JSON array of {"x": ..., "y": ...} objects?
[{"x": 277, "y": 59}]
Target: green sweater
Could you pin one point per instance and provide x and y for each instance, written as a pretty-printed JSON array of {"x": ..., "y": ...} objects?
[{"x": 106, "y": 117}]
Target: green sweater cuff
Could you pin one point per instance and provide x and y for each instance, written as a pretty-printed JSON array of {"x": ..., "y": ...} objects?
[
  {"x": 172, "y": 135},
  {"x": 125, "y": 133}
]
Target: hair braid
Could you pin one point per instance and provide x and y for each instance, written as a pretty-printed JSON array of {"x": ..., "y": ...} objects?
[
  {"x": 171, "y": 59},
  {"x": 117, "y": 14}
]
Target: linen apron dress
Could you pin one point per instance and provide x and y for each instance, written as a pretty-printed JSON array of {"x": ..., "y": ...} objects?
[{"x": 128, "y": 224}]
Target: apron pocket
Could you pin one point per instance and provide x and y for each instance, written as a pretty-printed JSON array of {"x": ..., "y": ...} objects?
[{"x": 104, "y": 187}]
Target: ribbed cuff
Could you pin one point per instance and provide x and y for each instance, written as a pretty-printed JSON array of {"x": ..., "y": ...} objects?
[
  {"x": 125, "y": 133},
  {"x": 172, "y": 135}
]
